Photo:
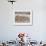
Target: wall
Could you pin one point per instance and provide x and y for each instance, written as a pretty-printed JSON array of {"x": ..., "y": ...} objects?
[{"x": 9, "y": 31}]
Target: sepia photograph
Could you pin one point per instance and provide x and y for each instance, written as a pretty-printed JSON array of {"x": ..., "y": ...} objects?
[{"x": 23, "y": 18}]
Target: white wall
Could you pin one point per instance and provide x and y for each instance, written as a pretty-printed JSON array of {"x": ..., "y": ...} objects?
[{"x": 9, "y": 31}]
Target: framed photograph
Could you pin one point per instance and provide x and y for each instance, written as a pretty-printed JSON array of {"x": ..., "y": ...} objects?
[{"x": 23, "y": 18}]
